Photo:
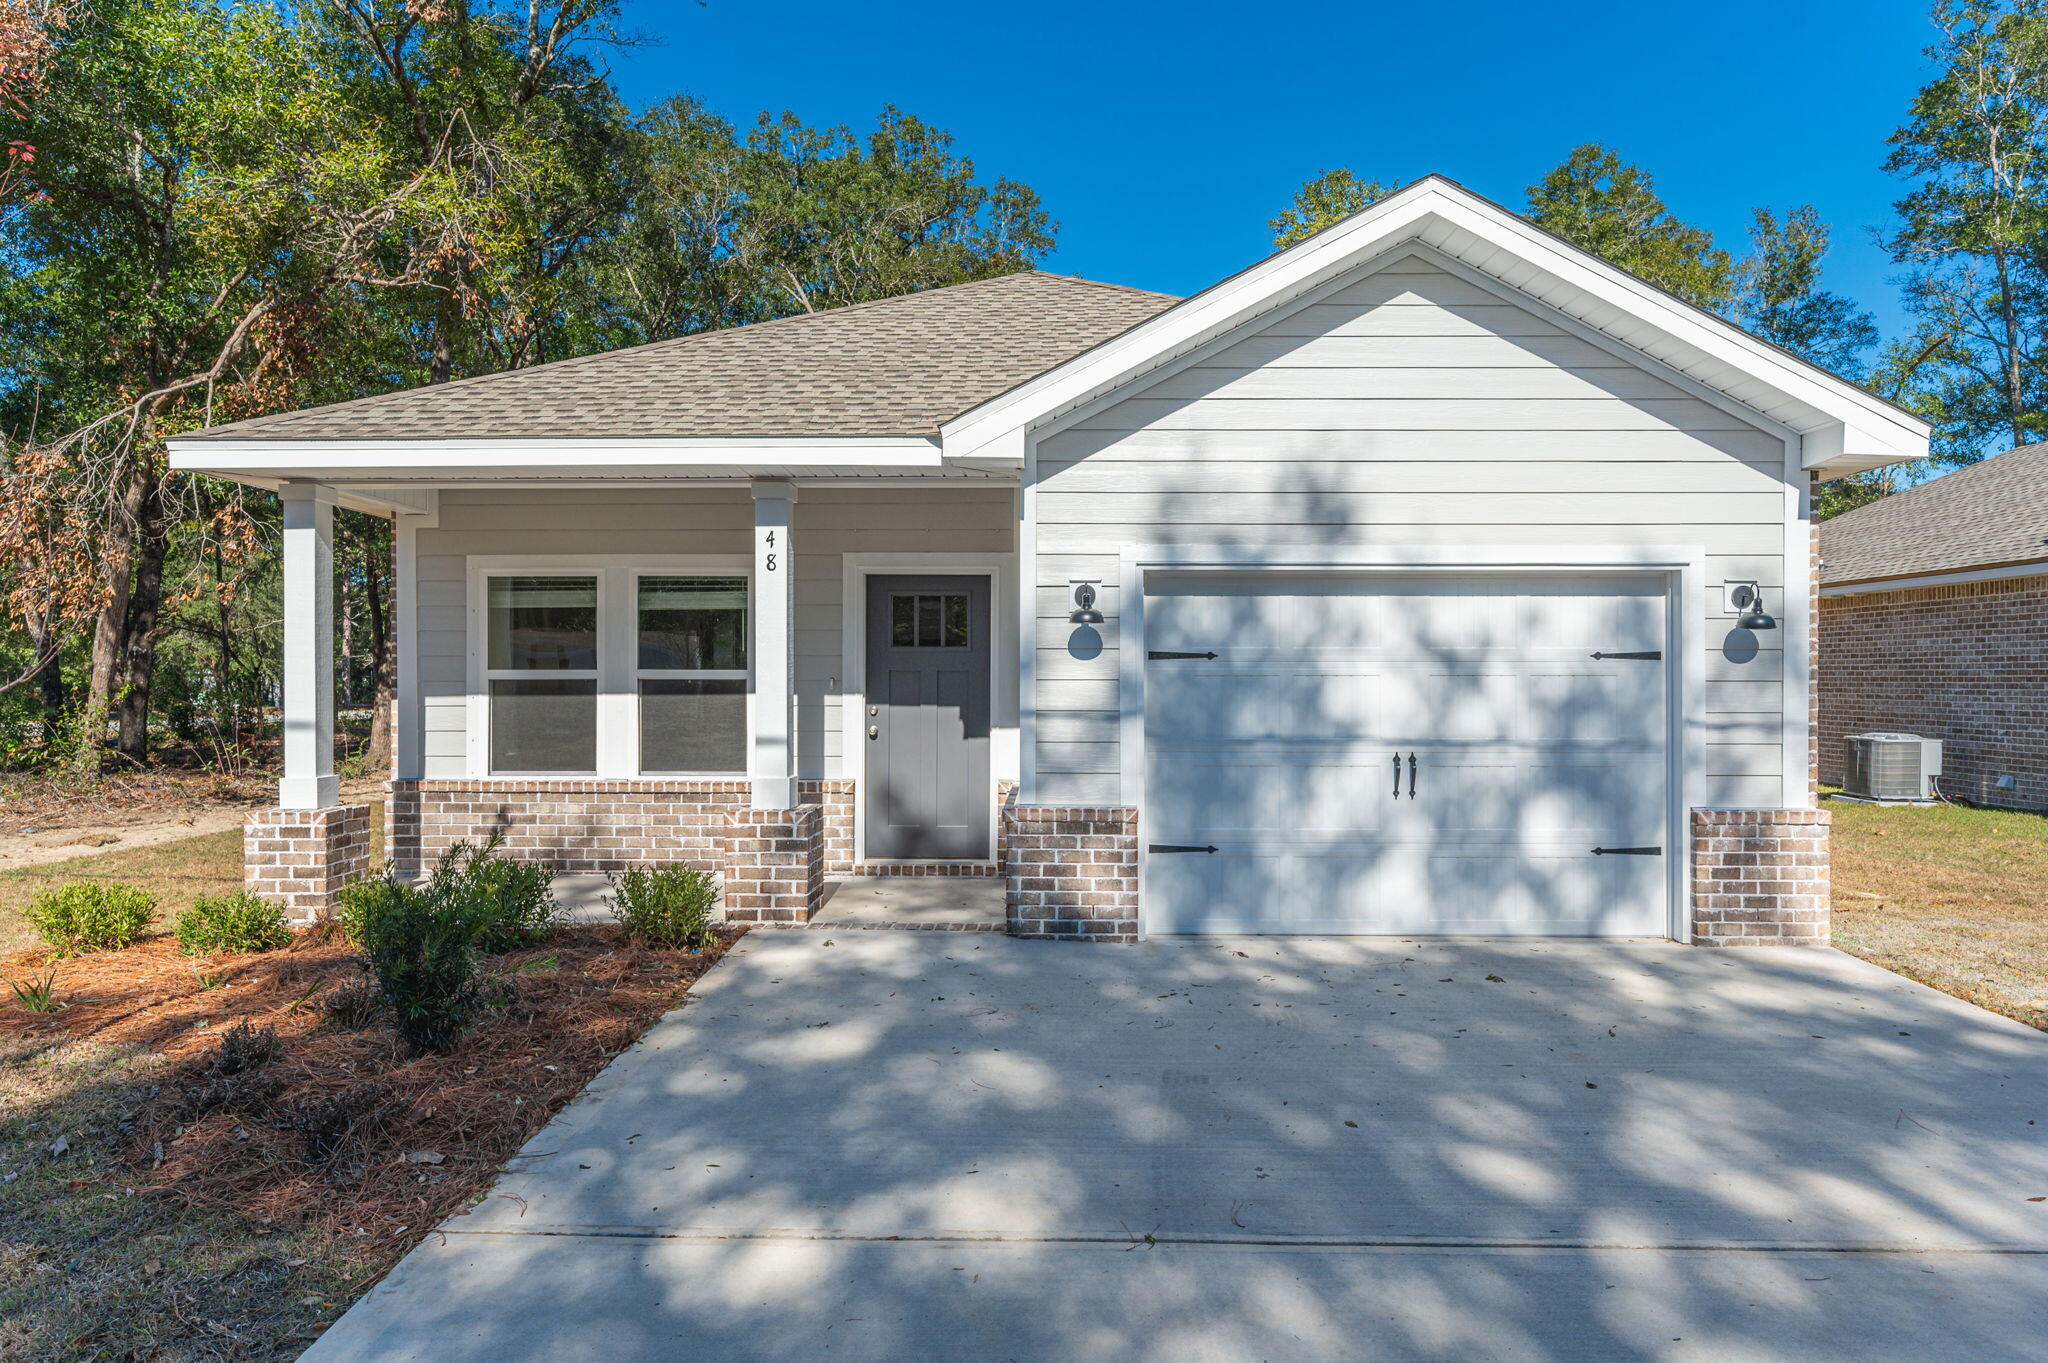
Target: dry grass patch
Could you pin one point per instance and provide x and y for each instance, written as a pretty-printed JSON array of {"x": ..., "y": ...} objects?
[
  {"x": 159, "y": 1203},
  {"x": 1956, "y": 898}
]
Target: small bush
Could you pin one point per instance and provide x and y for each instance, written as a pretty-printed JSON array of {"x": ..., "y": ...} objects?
[
  {"x": 421, "y": 945},
  {"x": 510, "y": 902},
  {"x": 231, "y": 922},
  {"x": 232, "y": 1077},
  {"x": 353, "y": 1006},
  {"x": 333, "y": 1124},
  {"x": 667, "y": 906},
  {"x": 90, "y": 915}
]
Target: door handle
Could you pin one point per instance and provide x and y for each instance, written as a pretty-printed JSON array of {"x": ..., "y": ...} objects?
[
  {"x": 1411, "y": 776},
  {"x": 874, "y": 731},
  {"x": 1397, "y": 776}
]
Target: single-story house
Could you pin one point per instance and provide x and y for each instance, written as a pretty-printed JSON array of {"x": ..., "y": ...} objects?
[
  {"x": 1934, "y": 621},
  {"x": 1429, "y": 576}
]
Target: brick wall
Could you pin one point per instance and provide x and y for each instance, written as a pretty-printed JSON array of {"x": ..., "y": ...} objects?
[
  {"x": 835, "y": 798},
  {"x": 299, "y": 858},
  {"x": 580, "y": 826},
  {"x": 775, "y": 864},
  {"x": 1966, "y": 663},
  {"x": 1759, "y": 877},
  {"x": 1813, "y": 642},
  {"x": 1070, "y": 872}
]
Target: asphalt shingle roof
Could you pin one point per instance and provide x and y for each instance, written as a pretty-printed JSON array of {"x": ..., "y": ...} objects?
[
  {"x": 894, "y": 367},
  {"x": 1988, "y": 513}
]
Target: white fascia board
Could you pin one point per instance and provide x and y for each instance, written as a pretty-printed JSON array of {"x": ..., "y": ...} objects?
[
  {"x": 1437, "y": 212},
  {"x": 455, "y": 460},
  {"x": 2037, "y": 568}
]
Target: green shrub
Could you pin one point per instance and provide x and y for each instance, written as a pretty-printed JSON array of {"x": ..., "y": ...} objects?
[
  {"x": 90, "y": 915},
  {"x": 420, "y": 941},
  {"x": 238, "y": 921},
  {"x": 667, "y": 906},
  {"x": 510, "y": 902}
]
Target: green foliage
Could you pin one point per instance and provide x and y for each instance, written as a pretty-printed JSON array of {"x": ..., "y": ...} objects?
[
  {"x": 509, "y": 902},
  {"x": 1779, "y": 298},
  {"x": 1604, "y": 205},
  {"x": 37, "y": 993},
  {"x": 421, "y": 947},
  {"x": 1330, "y": 197},
  {"x": 91, "y": 915},
  {"x": 235, "y": 922},
  {"x": 667, "y": 906}
]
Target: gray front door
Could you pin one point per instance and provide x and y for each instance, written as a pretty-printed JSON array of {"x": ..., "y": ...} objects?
[{"x": 926, "y": 785}]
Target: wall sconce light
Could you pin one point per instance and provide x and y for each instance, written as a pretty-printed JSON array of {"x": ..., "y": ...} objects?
[
  {"x": 1084, "y": 612},
  {"x": 1748, "y": 599}
]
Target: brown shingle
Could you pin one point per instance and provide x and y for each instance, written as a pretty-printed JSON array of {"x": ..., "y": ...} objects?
[
  {"x": 1991, "y": 512},
  {"x": 897, "y": 366}
]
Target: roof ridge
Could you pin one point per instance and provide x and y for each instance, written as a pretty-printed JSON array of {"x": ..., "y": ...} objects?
[{"x": 1102, "y": 284}]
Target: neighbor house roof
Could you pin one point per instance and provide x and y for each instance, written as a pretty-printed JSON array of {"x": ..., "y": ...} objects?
[
  {"x": 894, "y": 367},
  {"x": 1988, "y": 514}
]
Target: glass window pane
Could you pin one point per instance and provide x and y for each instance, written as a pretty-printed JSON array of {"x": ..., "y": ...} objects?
[
  {"x": 956, "y": 621},
  {"x": 927, "y": 621},
  {"x": 546, "y": 624},
  {"x": 693, "y": 623},
  {"x": 693, "y": 725},
  {"x": 903, "y": 621},
  {"x": 544, "y": 726}
]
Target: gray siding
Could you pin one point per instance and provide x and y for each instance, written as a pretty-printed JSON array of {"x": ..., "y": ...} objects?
[
  {"x": 1411, "y": 407},
  {"x": 830, "y": 522}
]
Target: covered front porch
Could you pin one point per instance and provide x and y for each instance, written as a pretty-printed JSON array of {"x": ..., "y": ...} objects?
[{"x": 637, "y": 671}]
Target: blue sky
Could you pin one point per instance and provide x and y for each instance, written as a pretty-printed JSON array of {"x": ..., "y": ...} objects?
[{"x": 1162, "y": 136}]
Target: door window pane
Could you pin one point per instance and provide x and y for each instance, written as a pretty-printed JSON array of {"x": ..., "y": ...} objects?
[
  {"x": 934, "y": 621},
  {"x": 543, "y": 623},
  {"x": 693, "y": 725},
  {"x": 546, "y": 725},
  {"x": 692, "y": 624}
]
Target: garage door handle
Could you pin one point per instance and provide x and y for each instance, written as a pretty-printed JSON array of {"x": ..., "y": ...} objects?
[
  {"x": 1411, "y": 776},
  {"x": 1177, "y": 847},
  {"x": 1161, "y": 655},
  {"x": 1628, "y": 851},
  {"x": 1652, "y": 656}
]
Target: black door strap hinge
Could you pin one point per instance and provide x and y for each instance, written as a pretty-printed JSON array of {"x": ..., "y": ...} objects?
[
  {"x": 1176, "y": 847},
  {"x": 1161, "y": 655},
  {"x": 1654, "y": 655},
  {"x": 1628, "y": 851}
]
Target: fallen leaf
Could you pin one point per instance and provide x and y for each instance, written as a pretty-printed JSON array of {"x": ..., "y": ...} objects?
[
  {"x": 153, "y": 1266},
  {"x": 1351, "y": 1124},
  {"x": 424, "y": 1157},
  {"x": 61, "y": 1145}
]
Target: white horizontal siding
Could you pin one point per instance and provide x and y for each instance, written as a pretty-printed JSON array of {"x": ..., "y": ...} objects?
[
  {"x": 571, "y": 522},
  {"x": 1407, "y": 408}
]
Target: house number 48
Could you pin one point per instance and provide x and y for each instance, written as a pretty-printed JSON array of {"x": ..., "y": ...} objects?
[{"x": 769, "y": 567}]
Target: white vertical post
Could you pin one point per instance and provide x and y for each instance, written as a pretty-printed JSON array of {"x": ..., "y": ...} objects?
[
  {"x": 309, "y": 781},
  {"x": 772, "y": 766}
]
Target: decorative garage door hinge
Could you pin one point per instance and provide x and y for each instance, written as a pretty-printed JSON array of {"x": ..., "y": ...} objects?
[
  {"x": 1176, "y": 847},
  {"x": 1158, "y": 655},
  {"x": 1628, "y": 851},
  {"x": 1654, "y": 655}
]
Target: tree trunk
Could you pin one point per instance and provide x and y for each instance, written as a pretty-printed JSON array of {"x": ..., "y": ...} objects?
[
  {"x": 50, "y": 679},
  {"x": 110, "y": 627},
  {"x": 378, "y": 546},
  {"x": 145, "y": 609}
]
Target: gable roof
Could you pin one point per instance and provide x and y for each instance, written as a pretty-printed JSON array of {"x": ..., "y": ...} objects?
[
  {"x": 1988, "y": 514},
  {"x": 894, "y": 367},
  {"x": 1841, "y": 427}
]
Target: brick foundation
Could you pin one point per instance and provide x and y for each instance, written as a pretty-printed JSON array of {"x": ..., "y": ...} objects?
[
  {"x": 835, "y": 798},
  {"x": 1070, "y": 872},
  {"x": 1759, "y": 877},
  {"x": 774, "y": 864},
  {"x": 580, "y": 826},
  {"x": 1966, "y": 663},
  {"x": 300, "y": 858}
]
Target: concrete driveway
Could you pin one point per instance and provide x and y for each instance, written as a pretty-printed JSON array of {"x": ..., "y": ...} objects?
[{"x": 894, "y": 1145}]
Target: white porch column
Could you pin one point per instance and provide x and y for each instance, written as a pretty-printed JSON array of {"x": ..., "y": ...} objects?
[
  {"x": 772, "y": 765},
  {"x": 309, "y": 781}
]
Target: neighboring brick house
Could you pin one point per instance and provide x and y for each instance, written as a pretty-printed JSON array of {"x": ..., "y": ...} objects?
[
  {"x": 1934, "y": 621},
  {"x": 1396, "y": 584}
]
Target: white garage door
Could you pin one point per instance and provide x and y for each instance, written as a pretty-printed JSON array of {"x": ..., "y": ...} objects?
[{"x": 1423, "y": 754}]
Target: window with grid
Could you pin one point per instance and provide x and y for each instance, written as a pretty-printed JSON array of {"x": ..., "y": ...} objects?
[{"x": 541, "y": 672}]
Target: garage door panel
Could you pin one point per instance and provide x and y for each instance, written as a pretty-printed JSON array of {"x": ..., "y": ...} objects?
[{"x": 1281, "y": 752}]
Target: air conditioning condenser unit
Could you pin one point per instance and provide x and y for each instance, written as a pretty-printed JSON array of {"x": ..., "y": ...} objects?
[{"x": 1891, "y": 768}]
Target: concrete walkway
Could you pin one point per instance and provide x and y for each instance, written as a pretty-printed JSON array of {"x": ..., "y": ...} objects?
[{"x": 929, "y": 1146}]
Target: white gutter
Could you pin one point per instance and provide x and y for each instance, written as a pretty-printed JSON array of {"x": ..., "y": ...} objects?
[{"x": 2037, "y": 568}]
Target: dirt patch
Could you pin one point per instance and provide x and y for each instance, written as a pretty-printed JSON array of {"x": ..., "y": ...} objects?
[{"x": 335, "y": 1135}]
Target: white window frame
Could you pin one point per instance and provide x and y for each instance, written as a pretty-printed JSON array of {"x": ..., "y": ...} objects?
[
  {"x": 618, "y": 672},
  {"x": 644, "y": 674}
]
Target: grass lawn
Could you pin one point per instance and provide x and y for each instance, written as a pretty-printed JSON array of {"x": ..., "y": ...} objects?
[
  {"x": 1953, "y": 897},
  {"x": 175, "y": 872}
]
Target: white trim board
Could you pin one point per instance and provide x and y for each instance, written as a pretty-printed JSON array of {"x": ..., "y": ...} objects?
[
  {"x": 1682, "y": 566},
  {"x": 2038, "y": 568},
  {"x": 1003, "y": 747}
]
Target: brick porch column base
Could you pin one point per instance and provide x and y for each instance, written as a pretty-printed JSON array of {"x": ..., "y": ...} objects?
[
  {"x": 299, "y": 858},
  {"x": 774, "y": 864},
  {"x": 1070, "y": 872},
  {"x": 1760, "y": 877}
]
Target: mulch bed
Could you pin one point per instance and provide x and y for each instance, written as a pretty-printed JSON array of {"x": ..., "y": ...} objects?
[{"x": 345, "y": 1128}]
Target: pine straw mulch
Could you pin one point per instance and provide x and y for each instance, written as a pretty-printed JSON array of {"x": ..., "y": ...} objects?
[{"x": 345, "y": 1129}]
